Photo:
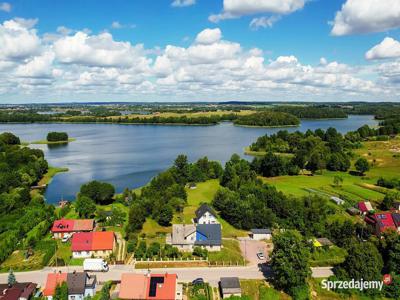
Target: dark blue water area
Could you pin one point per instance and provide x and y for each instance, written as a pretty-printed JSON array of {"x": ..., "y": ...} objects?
[{"x": 130, "y": 155}]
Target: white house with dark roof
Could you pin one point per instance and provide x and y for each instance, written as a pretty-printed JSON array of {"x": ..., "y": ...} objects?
[
  {"x": 187, "y": 236},
  {"x": 205, "y": 215}
]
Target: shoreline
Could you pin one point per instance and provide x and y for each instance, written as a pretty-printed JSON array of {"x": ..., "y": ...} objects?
[{"x": 45, "y": 142}]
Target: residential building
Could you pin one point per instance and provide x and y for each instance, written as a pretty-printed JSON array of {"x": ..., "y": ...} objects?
[
  {"x": 396, "y": 220},
  {"x": 186, "y": 237},
  {"x": 99, "y": 244},
  {"x": 65, "y": 227},
  {"x": 209, "y": 236},
  {"x": 53, "y": 280},
  {"x": 18, "y": 291},
  {"x": 261, "y": 234},
  {"x": 384, "y": 221},
  {"x": 365, "y": 207},
  {"x": 183, "y": 236},
  {"x": 205, "y": 215},
  {"x": 80, "y": 285},
  {"x": 230, "y": 286},
  {"x": 150, "y": 286}
]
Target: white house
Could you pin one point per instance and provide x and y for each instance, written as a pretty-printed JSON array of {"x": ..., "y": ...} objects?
[
  {"x": 206, "y": 215},
  {"x": 80, "y": 285},
  {"x": 261, "y": 234}
]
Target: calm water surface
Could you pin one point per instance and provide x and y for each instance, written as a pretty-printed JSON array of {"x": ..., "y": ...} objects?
[{"x": 130, "y": 155}]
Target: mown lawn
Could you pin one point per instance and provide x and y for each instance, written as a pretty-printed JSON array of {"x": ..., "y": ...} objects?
[
  {"x": 17, "y": 262},
  {"x": 229, "y": 254},
  {"x": 258, "y": 289}
]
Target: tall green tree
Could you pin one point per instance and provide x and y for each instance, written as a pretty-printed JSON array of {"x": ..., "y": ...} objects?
[
  {"x": 85, "y": 206},
  {"x": 362, "y": 165},
  {"x": 362, "y": 262},
  {"x": 290, "y": 261},
  {"x": 100, "y": 192}
]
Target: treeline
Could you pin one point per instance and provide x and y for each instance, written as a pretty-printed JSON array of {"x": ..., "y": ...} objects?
[
  {"x": 24, "y": 220},
  {"x": 245, "y": 202},
  {"x": 268, "y": 119},
  {"x": 166, "y": 193},
  {"x": 313, "y": 112},
  {"x": 19, "y": 117},
  {"x": 312, "y": 150},
  {"x": 57, "y": 136}
]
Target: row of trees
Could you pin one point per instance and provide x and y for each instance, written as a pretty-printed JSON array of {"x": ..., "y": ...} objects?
[
  {"x": 268, "y": 119},
  {"x": 313, "y": 111}
]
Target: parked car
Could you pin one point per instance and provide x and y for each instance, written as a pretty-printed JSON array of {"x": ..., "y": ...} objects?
[
  {"x": 260, "y": 256},
  {"x": 198, "y": 281},
  {"x": 65, "y": 238}
]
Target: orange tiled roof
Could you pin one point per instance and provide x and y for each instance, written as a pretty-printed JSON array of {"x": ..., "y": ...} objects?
[
  {"x": 53, "y": 280},
  {"x": 84, "y": 225},
  {"x": 134, "y": 286}
]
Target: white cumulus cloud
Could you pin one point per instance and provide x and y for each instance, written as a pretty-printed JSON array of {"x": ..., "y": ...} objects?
[
  {"x": 238, "y": 8},
  {"x": 366, "y": 16},
  {"x": 388, "y": 48},
  {"x": 209, "y": 36}
]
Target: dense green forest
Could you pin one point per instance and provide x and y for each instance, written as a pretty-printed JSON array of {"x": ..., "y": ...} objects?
[
  {"x": 23, "y": 219},
  {"x": 268, "y": 119},
  {"x": 313, "y": 112}
]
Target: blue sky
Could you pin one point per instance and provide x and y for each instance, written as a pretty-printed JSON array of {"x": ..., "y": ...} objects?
[{"x": 309, "y": 52}]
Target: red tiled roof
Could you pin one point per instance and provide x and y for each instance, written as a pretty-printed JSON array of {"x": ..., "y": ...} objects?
[
  {"x": 167, "y": 290},
  {"x": 64, "y": 225},
  {"x": 365, "y": 206},
  {"x": 84, "y": 225},
  {"x": 53, "y": 280},
  {"x": 92, "y": 241},
  {"x": 384, "y": 221},
  {"x": 138, "y": 286}
]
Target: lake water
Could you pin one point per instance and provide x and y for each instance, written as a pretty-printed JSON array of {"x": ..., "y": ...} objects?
[{"x": 130, "y": 155}]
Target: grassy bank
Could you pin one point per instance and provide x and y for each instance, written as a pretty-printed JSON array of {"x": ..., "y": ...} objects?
[{"x": 46, "y": 142}]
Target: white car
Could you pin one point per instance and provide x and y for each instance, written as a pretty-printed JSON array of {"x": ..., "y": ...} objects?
[
  {"x": 65, "y": 239},
  {"x": 260, "y": 256}
]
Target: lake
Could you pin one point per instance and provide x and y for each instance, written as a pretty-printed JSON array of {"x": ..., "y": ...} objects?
[{"x": 130, "y": 155}]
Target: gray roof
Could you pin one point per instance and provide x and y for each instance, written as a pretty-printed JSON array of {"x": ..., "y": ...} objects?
[
  {"x": 212, "y": 232},
  {"x": 203, "y": 209},
  {"x": 180, "y": 232},
  {"x": 324, "y": 242},
  {"x": 78, "y": 281},
  {"x": 230, "y": 283},
  {"x": 261, "y": 231},
  {"x": 396, "y": 219}
]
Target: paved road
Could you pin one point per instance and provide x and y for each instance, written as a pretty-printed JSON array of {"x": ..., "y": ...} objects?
[{"x": 212, "y": 274}]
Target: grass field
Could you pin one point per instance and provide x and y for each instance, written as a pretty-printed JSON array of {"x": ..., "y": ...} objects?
[
  {"x": 46, "y": 142},
  {"x": 384, "y": 157},
  {"x": 328, "y": 257},
  {"x": 204, "y": 193},
  {"x": 258, "y": 289},
  {"x": 17, "y": 262},
  {"x": 229, "y": 254}
]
